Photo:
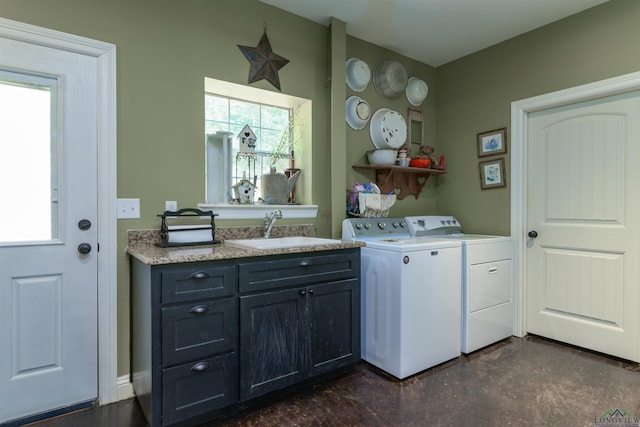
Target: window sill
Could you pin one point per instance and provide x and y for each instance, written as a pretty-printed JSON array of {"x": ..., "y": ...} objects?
[{"x": 229, "y": 211}]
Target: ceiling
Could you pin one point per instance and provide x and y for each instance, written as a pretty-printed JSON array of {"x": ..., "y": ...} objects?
[{"x": 435, "y": 32}]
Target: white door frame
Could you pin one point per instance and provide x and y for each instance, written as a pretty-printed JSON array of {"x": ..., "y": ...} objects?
[
  {"x": 105, "y": 53},
  {"x": 519, "y": 116}
]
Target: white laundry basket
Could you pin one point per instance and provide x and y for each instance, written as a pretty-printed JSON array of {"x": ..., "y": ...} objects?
[{"x": 369, "y": 204}]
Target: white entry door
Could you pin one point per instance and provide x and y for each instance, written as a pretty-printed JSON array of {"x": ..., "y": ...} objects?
[
  {"x": 48, "y": 229},
  {"x": 582, "y": 268}
]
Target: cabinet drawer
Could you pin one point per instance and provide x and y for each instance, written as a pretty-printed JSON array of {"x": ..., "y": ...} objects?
[
  {"x": 194, "y": 283},
  {"x": 199, "y": 329},
  {"x": 199, "y": 387},
  {"x": 298, "y": 270}
]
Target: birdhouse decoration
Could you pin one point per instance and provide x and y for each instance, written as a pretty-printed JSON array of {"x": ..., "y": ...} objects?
[
  {"x": 246, "y": 162},
  {"x": 247, "y": 141},
  {"x": 244, "y": 191}
]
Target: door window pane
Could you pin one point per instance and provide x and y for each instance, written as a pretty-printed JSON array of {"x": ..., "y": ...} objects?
[{"x": 28, "y": 158}]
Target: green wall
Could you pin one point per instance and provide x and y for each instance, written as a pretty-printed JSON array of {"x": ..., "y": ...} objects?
[
  {"x": 475, "y": 95},
  {"x": 165, "y": 48}
]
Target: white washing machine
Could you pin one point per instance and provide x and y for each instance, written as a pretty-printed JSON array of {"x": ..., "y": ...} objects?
[
  {"x": 487, "y": 280},
  {"x": 410, "y": 296}
]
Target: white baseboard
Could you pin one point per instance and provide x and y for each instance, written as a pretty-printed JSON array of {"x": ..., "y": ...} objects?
[{"x": 125, "y": 388}]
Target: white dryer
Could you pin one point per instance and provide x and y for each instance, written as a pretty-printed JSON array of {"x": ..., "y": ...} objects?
[{"x": 487, "y": 279}]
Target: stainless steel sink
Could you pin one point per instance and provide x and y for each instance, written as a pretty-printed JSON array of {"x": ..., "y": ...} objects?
[{"x": 280, "y": 242}]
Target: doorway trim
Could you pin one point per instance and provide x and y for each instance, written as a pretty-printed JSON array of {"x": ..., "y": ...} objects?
[
  {"x": 519, "y": 116},
  {"x": 105, "y": 53}
]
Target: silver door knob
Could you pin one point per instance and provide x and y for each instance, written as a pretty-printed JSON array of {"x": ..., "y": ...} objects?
[{"x": 84, "y": 248}]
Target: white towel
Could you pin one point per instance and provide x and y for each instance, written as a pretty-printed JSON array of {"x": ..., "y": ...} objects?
[
  {"x": 375, "y": 204},
  {"x": 188, "y": 236}
]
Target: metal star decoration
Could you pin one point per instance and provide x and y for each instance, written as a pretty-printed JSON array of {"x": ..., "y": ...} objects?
[{"x": 264, "y": 63}]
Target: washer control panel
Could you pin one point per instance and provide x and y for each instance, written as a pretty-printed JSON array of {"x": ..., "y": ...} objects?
[
  {"x": 430, "y": 225},
  {"x": 362, "y": 228}
]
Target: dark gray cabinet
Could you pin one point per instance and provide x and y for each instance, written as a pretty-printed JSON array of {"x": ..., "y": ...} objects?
[
  {"x": 208, "y": 335},
  {"x": 299, "y": 318},
  {"x": 184, "y": 339}
]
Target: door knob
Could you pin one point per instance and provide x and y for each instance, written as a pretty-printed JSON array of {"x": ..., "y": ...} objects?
[
  {"x": 532, "y": 234},
  {"x": 84, "y": 224},
  {"x": 84, "y": 248}
]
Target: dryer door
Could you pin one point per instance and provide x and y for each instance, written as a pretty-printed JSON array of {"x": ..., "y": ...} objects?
[{"x": 489, "y": 284}]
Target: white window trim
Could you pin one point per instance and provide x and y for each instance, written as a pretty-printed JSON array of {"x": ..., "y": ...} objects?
[{"x": 228, "y": 211}]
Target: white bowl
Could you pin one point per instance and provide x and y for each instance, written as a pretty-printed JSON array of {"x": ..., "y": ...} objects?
[
  {"x": 358, "y": 112},
  {"x": 358, "y": 74},
  {"x": 382, "y": 157},
  {"x": 416, "y": 91}
]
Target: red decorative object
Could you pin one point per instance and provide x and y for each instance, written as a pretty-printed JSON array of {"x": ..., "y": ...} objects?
[{"x": 420, "y": 162}]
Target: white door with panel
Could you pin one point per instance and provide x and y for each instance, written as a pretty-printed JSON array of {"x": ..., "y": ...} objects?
[
  {"x": 583, "y": 223},
  {"x": 48, "y": 230}
]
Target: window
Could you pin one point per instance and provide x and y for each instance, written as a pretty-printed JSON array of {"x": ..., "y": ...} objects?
[
  {"x": 28, "y": 157},
  {"x": 279, "y": 122},
  {"x": 272, "y": 126}
]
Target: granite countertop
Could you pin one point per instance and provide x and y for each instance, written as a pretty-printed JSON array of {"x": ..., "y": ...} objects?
[{"x": 142, "y": 245}]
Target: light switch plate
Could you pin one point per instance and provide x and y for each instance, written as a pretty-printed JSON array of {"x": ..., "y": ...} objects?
[{"x": 128, "y": 208}]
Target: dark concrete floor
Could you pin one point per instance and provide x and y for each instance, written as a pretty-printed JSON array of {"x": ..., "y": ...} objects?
[{"x": 519, "y": 382}]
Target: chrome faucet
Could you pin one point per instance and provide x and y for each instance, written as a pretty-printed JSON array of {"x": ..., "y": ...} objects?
[{"x": 269, "y": 220}]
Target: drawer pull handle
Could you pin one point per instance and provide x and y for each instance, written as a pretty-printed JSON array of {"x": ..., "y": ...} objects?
[
  {"x": 199, "y": 275},
  {"x": 304, "y": 263},
  {"x": 199, "y": 309},
  {"x": 310, "y": 291},
  {"x": 200, "y": 367},
  {"x": 303, "y": 292},
  {"x": 493, "y": 270}
]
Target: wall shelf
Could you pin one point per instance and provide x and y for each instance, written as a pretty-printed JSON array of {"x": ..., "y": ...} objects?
[{"x": 401, "y": 180}]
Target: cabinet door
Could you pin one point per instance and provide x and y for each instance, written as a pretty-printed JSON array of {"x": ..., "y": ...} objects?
[
  {"x": 272, "y": 346},
  {"x": 334, "y": 325}
]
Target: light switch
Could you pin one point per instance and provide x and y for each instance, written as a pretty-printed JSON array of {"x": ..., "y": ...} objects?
[{"x": 128, "y": 208}]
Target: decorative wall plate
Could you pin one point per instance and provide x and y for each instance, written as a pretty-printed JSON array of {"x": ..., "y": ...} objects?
[
  {"x": 358, "y": 112},
  {"x": 389, "y": 79},
  {"x": 388, "y": 129},
  {"x": 358, "y": 74}
]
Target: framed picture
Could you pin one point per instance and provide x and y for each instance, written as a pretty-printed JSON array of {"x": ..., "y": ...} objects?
[
  {"x": 492, "y": 174},
  {"x": 492, "y": 142}
]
